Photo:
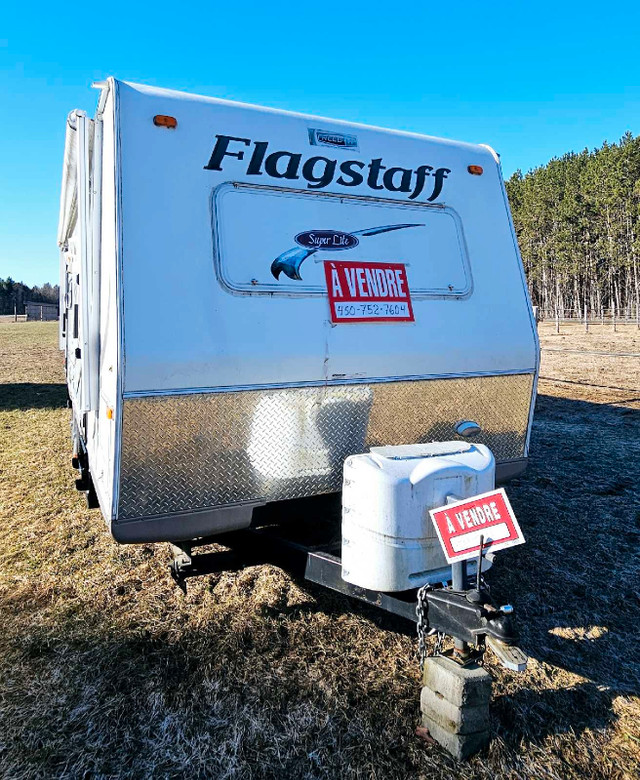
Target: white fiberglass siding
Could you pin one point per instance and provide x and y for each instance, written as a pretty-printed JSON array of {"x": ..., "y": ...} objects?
[{"x": 185, "y": 328}]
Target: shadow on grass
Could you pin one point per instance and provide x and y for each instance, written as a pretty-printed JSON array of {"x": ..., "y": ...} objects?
[
  {"x": 31, "y": 395},
  {"x": 574, "y": 583},
  {"x": 247, "y": 700},
  {"x": 268, "y": 695},
  {"x": 530, "y": 716},
  {"x": 270, "y": 691}
]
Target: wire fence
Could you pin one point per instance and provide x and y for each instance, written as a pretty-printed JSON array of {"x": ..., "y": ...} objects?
[
  {"x": 591, "y": 352},
  {"x": 586, "y": 317}
]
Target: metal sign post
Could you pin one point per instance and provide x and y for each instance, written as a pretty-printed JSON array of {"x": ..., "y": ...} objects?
[{"x": 459, "y": 582}]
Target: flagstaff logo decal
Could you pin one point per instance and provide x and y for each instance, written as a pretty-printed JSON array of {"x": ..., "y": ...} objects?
[
  {"x": 320, "y": 172},
  {"x": 312, "y": 241},
  {"x": 328, "y": 138}
]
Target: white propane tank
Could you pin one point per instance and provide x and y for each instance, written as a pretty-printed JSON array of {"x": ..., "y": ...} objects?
[{"x": 388, "y": 540}]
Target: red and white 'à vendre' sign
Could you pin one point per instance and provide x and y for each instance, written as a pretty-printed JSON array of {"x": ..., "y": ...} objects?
[
  {"x": 368, "y": 292},
  {"x": 460, "y": 525}
]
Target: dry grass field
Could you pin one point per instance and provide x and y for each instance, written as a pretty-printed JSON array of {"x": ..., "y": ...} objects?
[{"x": 107, "y": 670}]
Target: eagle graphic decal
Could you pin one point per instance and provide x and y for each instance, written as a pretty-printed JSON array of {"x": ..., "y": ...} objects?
[{"x": 310, "y": 242}]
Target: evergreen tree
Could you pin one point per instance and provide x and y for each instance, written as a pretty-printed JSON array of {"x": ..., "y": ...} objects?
[{"x": 578, "y": 225}]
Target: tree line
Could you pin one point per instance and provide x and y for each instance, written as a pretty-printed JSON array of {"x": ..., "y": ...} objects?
[
  {"x": 14, "y": 295},
  {"x": 578, "y": 224}
]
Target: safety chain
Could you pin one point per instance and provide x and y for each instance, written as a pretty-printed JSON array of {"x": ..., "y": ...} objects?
[
  {"x": 440, "y": 637},
  {"x": 422, "y": 613},
  {"x": 423, "y": 623}
]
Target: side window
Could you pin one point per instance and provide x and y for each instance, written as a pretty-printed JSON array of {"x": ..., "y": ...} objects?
[{"x": 270, "y": 240}]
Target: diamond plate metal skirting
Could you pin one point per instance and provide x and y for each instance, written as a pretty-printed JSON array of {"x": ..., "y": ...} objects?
[{"x": 182, "y": 453}]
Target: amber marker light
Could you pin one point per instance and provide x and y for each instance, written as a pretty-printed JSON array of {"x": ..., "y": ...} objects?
[
  {"x": 162, "y": 120},
  {"x": 109, "y": 413},
  {"x": 475, "y": 170}
]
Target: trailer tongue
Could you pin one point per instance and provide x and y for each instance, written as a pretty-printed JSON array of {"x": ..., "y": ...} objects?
[
  {"x": 393, "y": 557},
  {"x": 462, "y": 612}
]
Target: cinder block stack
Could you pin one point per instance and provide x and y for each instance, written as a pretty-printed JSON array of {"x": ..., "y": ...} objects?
[{"x": 455, "y": 705}]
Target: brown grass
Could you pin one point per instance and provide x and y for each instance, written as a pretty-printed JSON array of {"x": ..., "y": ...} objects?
[{"x": 107, "y": 670}]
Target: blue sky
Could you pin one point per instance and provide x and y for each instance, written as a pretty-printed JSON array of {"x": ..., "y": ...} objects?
[{"x": 533, "y": 80}]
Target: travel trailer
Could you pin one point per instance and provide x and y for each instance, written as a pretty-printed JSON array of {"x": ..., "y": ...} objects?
[
  {"x": 259, "y": 306},
  {"x": 249, "y": 297}
]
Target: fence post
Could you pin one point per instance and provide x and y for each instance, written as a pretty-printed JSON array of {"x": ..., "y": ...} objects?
[
  {"x": 613, "y": 316},
  {"x": 15, "y": 313},
  {"x": 557, "y": 321},
  {"x": 586, "y": 321}
]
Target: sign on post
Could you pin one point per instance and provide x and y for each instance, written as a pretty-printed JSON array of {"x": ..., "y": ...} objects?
[
  {"x": 368, "y": 292},
  {"x": 460, "y": 525}
]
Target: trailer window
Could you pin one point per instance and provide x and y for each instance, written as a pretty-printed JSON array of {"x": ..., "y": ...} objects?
[{"x": 269, "y": 240}]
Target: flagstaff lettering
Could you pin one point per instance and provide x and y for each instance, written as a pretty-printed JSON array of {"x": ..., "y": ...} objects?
[{"x": 320, "y": 172}]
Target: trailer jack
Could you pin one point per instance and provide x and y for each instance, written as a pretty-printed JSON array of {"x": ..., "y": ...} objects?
[
  {"x": 84, "y": 483},
  {"x": 185, "y": 564}
]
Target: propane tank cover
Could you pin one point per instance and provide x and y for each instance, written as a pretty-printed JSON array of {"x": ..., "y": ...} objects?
[{"x": 388, "y": 540}]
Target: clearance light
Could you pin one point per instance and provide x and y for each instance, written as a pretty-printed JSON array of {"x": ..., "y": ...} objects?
[
  {"x": 109, "y": 413},
  {"x": 475, "y": 170},
  {"x": 162, "y": 120}
]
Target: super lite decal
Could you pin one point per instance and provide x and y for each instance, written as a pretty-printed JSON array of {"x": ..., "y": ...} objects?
[
  {"x": 312, "y": 241},
  {"x": 320, "y": 171}
]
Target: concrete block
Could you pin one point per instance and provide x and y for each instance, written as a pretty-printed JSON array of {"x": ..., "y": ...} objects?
[
  {"x": 459, "y": 685},
  {"x": 459, "y": 720},
  {"x": 461, "y": 746}
]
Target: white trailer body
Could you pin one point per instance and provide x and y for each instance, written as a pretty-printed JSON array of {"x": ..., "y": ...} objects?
[{"x": 205, "y": 372}]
